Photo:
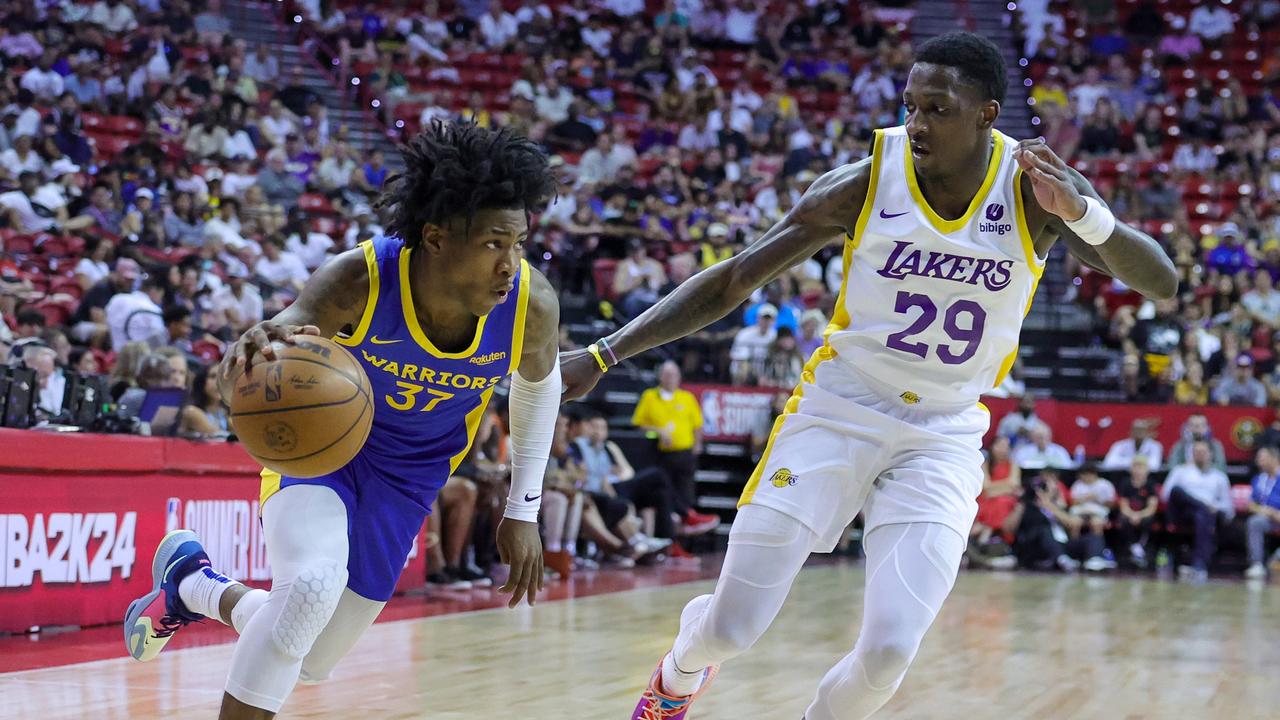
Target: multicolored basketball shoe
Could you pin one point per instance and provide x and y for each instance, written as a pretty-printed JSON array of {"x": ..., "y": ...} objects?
[
  {"x": 657, "y": 705},
  {"x": 153, "y": 618}
]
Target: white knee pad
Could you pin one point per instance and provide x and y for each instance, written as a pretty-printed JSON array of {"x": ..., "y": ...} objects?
[{"x": 312, "y": 598}]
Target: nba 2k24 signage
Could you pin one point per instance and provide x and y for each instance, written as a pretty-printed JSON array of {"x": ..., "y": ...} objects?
[{"x": 63, "y": 547}]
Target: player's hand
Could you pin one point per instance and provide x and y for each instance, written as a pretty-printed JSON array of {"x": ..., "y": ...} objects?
[
  {"x": 579, "y": 372},
  {"x": 258, "y": 339},
  {"x": 1050, "y": 180},
  {"x": 520, "y": 547}
]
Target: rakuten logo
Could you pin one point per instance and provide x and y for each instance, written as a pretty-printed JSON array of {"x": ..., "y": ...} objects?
[
  {"x": 229, "y": 531},
  {"x": 59, "y": 548}
]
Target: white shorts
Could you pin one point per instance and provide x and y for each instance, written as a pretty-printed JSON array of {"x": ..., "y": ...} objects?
[{"x": 845, "y": 448}]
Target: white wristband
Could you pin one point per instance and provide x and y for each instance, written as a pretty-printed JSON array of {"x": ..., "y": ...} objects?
[{"x": 1096, "y": 225}]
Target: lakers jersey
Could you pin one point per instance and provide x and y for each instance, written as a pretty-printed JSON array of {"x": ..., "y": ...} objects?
[
  {"x": 930, "y": 309},
  {"x": 427, "y": 402}
]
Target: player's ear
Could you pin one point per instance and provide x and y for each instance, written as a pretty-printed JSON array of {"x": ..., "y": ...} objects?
[
  {"x": 432, "y": 237},
  {"x": 990, "y": 111}
]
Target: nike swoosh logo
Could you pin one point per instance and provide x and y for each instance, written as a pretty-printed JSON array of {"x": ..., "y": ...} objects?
[
  {"x": 531, "y": 499},
  {"x": 886, "y": 216},
  {"x": 376, "y": 341},
  {"x": 169, "y": 569}
]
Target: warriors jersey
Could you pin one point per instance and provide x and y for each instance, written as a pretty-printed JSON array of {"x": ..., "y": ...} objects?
[{"x": 930, "y": 309}]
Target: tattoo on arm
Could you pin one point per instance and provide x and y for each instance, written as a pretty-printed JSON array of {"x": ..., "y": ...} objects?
[{"x": 334, "y": 297}]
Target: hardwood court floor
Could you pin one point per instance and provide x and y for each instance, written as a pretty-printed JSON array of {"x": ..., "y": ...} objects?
[{"x": 1005, "y": 646}]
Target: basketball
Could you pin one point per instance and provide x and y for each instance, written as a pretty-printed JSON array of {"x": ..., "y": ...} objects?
[{"x": 306, "y": 413}]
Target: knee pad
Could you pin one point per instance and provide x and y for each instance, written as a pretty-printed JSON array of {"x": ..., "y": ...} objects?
[{"x": 311, "y": 600}]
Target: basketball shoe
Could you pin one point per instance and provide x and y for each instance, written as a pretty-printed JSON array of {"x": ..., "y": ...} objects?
[
  {"x": 153, "y": 618},
  {"x": 657, "y": 705}
]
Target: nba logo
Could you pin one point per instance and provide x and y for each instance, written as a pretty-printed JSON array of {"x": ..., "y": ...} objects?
[
  {"x": 172, "y": 515},
  {"x": 995, "y": 211}
]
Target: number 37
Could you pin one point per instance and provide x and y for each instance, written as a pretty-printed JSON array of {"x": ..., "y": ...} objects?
[
  {"x": 951, "y": 324},
  {"x": 406, "y": 399}
]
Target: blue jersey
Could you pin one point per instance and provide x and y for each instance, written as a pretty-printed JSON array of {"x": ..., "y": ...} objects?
[
  {"x": 427, "y": 406},
  {"x": 427, "y": 402}
]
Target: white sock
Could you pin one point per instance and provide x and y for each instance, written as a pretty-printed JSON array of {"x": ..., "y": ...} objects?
[
  {"x": 677, "y": 682},
  {"x": 553, "y": 547},
  {"x": 201, "y": 591},
  {"x": 246, "y": 606}
]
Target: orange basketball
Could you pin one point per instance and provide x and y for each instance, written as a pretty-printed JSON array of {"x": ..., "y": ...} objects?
[{"x": 306, "y": 413}]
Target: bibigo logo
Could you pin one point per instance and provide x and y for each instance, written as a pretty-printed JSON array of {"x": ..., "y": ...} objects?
[{"x": 995, "y": 211}]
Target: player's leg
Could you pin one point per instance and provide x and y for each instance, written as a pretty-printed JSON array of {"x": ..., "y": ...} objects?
[
  {"x": 911, "y": 569},
  {"x": 306, "y": 532},
  {"x": 767, "y": 548},
  {"x": 351, "y": 618}
]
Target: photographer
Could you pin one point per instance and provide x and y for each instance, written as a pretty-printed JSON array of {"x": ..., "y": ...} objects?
[{"x": 1047, "y": 534}]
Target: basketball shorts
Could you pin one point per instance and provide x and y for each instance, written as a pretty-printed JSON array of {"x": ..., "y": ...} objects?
[
  {"x": 847, "y": 447},
  {"x": 385, "y": 511}
]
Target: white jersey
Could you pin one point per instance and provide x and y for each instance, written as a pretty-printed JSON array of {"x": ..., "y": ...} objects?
[{"x": 930, "y": 309}]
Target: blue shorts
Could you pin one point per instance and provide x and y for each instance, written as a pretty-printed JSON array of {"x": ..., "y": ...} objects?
[{"x": 385, "y": 511}]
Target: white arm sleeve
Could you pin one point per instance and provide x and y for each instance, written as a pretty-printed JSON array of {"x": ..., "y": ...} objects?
[{"x": 534, "y": 407}]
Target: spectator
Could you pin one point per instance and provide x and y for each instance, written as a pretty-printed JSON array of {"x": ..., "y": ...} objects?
[
  {"x": 1241, "y": 387},
  {"x": 498, "y": 28},
  {"x": 1212, "y": 21},
  {"x": 1135, "y": 512},
  {"x": 1040, "y": 451},
  {"x": 1092, "y": 498},
  {"x": 238, "y": 302},
  {"x": 1192, "y": 389},
  {"x": 41, "y": 358},
  {"x": 1230, "y": 256},
  {"x": 1264, "y": 510},
  {"x": 92, "y": 267},
  {"x": 612, "y": 482},
  {"x": 638, "y": 279},
  {"x": 1196, "y": 429},
  {"x": 1140, "y": 442},
  {"x": 136, "y": 315},
  {"x": 1001, "y": 492},
  {"x": 1047, "y": 535},
  {"x": 740, "y": 23},
  {"x": 22, "y": 157},
  {"x": 1180, "y": 45},
  {"x": 262, "y": 66},
  {"x": 812, "y": 325},
  {"x": 30, "y": 324},
  {"x": 278, "y": 184},
  {"x": 114, "y": 16},
  {"x": 1017, "y": 425},
  {"x": 177, "y": 328},
  {"x": 42, "y": 80},
  {"x": 599, "y": 165},
  {"x": 1198, "y": 496},
  {"x": 1263, "y": 302},
  {"x": 551, "y": 101},
  {"x": 751, "y": 345},
  {"x": 208, "y": 412},
  {"x": 674, "y": 416},
  {"x": 782, "y": 362},
  {"x": 281, "y": 267}
]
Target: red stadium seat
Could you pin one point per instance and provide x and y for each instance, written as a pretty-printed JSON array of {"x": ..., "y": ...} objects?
[
  {"x": 207, "y": 351},
  {"x": 315, "y": 202},
  {"x": 20, "y": 245},
  {"x": 602, "y": 271},
  {"x": 56, "y": 313}
]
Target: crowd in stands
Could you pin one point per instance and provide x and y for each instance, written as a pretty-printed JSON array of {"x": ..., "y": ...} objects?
[
  {"x": 163, "y": 186},
  {"x": 1118, "y": 511}
]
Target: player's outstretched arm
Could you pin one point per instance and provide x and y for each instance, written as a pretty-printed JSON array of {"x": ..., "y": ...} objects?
[
  {"x": 1125, "y": 252},
  {"x": 534, "y": 406},
  {"x": 333, "y": 298},
  {"x": 828, "y": 210}
]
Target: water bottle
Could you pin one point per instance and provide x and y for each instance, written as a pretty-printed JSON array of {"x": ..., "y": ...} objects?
[{"x": 1079, "y": 457}]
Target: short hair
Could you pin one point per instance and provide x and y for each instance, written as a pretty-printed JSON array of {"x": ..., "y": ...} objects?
[
  {"x": 977, "y": 58},
  {"x": 176, "y": 313},
  {"x": 31, "y": 317},
  {"x": 458, "y": 169}
]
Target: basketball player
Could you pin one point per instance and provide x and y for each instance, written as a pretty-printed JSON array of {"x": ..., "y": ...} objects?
[
  {"x": 438, "y": 311},
  {"x": 945, "y": 229}
]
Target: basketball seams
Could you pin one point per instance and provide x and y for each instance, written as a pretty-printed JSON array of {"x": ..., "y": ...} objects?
[
  {"x": 336, "y": 440},
  {"x": 291, "y": 408},
  {"x": 359, "y": 386}
]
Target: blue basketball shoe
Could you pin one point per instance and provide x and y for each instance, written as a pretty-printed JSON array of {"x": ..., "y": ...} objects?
[{"x": 153, "y": 618}]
